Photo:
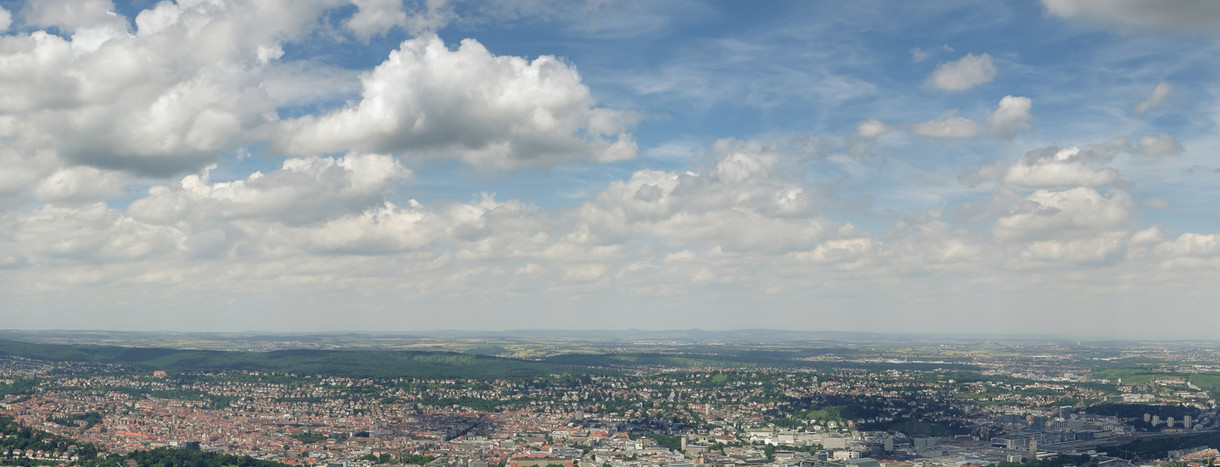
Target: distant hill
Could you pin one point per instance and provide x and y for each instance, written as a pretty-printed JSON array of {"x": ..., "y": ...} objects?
[
  {"x": 432, "y": 364},
  {"x": 738, "y": 359},
  {"x": 370, "y": 339},
  {"x": 356, "y": 363}
]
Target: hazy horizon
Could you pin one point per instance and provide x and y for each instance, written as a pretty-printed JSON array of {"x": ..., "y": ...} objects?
[{"x": 593, "y": 334}]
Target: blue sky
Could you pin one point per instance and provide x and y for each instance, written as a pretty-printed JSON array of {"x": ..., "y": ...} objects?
[{"x": 1023, "y": 167}]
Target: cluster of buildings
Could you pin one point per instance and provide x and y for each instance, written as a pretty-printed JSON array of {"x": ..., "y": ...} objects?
[{"x": 641, "y": 418}]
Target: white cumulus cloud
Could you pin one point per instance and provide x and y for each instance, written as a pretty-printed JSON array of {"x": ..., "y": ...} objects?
[
  {"x": 865, "y": 136},
  {"x": 81, "y": 185},
  {"x": 1054, "y": 166},
  {"x": 91, "y": 233},
  {"x": 1100, "y": 249},
  {"x": 742, "y": 203},
  {"x": 1011, "y": 115},
  {"x": 965, "y": 73},
  {"x": 1051, "y": 174},
  {"x": 1051, "y": 167},
  {"x": 839, "y": 251},
  {"x": 165, "y": 98},
  {"x": 375, "y": 17},
  {"x": 304, "y": 190},
  {"x": 1046, "y": 215},
  {"x": 872, "y": 129},
  {"x": 74, "y": 16},
  {"x": 1191, "y": 245},
  {"x": 484, "y": 109}
]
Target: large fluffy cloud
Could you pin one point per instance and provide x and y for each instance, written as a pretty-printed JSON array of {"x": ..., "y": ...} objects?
[
  {"x": 1189, "y": 251},
  {"x": 1054, "y": 166},
  {"x": 1050, "y": 167},
  {"x": 387, "y": 229},
  {"x": 171, "y": 90},
  {"x": 485, "y": 109},
  {"x": 81, "y": 184},
  {"x": 1191, "y": 245},
  {"x": 55, "y": 235},
  {"x": 1078, "y": 211},
  {"x": 743, "y": 202},
  {"x": 163, "y": 98},
  {"x": 73, "y": 16},
  {"x": 304, "y": 190},
  {"x": 1100, "y": 249}
]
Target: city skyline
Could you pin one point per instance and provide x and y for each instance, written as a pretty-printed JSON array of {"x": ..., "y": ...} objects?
[{"x": 1029, "y": 168}]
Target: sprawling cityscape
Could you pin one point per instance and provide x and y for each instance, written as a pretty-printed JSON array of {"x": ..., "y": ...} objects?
[
  {"x": 499, "y": 400},
  {"x": 609, "y": 233}
]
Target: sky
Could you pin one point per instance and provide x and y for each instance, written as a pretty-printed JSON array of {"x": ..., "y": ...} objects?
[{"x": 1012, "y": 167}]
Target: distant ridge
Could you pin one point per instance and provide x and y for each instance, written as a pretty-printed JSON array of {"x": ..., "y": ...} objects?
[
  {"x": 435, "y": 364},
  {"x": 355, "y": 363},
  {"x": 690, "y": 335}
]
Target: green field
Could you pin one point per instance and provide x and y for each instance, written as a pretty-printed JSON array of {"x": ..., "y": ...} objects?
[
  {"x": 1128, "y": 375},
  {"x": 1206, "y": 382}
]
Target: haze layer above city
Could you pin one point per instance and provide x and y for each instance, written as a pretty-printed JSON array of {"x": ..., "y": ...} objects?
[{"x": 1023, "y": 168}]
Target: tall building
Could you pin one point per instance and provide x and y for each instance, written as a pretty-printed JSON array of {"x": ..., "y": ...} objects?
[{"x": 1065, "y": 412}]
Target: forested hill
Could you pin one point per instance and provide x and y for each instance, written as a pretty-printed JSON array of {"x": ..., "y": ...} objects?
[
  {"x": 430, "y": 364},
  {"x": 355, "y": 363}
]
